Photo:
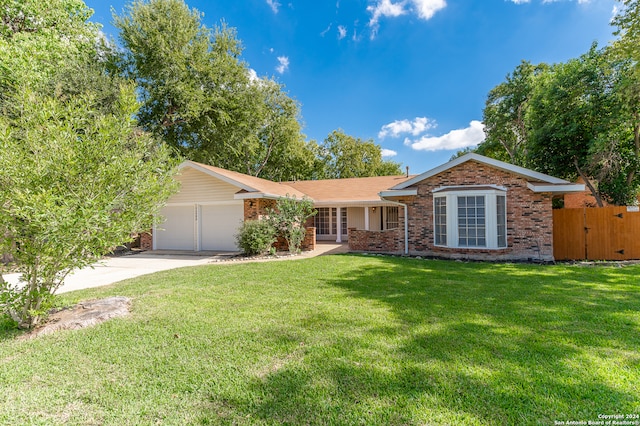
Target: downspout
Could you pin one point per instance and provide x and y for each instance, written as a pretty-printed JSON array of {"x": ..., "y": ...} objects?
[{"x": 406, "y": 223}]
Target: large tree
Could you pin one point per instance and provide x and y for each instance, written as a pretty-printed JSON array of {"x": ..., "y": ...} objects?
[
  {"x": 507, "y": 134},
  {"x": 344, "y": 156},
  {"x": 77, "y": 176},
  {"x": 577, "y": 126},
  {"x": 626, "y": 50},
  {"x": 570, "y": 119},
  {"x": 200, "y": 98}
]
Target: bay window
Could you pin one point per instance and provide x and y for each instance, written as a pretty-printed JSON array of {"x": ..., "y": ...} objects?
[{"x": 466, "y": 217}]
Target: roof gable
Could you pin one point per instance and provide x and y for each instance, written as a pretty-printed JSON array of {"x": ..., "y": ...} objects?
[
  {"x": 501, "y": 165},
  {"x": 249, "y": 186}
]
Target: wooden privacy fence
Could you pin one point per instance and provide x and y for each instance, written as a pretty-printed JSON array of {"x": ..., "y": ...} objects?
[{"x": 596, "y": 233}]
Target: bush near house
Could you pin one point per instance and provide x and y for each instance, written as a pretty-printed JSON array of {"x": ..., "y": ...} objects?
[
  {"x": 289, "y": 217},
  {"x": 256, "y": 237}
]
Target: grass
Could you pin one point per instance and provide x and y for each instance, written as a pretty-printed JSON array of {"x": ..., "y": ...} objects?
[{"x": 341, "y": 340}]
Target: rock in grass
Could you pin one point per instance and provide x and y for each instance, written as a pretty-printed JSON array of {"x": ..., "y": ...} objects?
[{"x": 84, "y": 314}]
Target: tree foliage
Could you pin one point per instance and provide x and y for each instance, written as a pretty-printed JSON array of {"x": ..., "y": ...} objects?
[
  {"x": 77, "y": 177},
  {"x": 343, "y": 156},
  {"x": 504, "y": 115},
  {"x": 570, "y": 119},
  {"x": 200, "y": 97}
]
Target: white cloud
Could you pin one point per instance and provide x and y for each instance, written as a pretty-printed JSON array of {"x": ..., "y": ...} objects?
[
  {"x": 323, "y": 33},
  {"x": 520, "y": 1},
  {"x": 417, "y": 126},
  {"x": 342, "y": 32},
  {"x": 274, "y": 5},
  {"x": 284, "y": 64},
  {"x": 455, "y": 139},
  {"x": 424, "y": 9},
  {"x": 427, "y": 8},
  {"x": 388, "y": 152},
  {"x": 384, "y": 8}
]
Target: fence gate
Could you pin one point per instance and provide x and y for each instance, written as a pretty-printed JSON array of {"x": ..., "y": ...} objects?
[{"x": 596, "y": 233}]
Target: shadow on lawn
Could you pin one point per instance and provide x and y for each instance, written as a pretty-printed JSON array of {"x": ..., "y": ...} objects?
[{"x": 471, "y": 343}]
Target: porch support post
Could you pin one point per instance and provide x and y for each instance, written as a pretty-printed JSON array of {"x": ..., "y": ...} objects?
[
  {"x": 366, "y": 218},
  {"x": 339, "y": 225}
]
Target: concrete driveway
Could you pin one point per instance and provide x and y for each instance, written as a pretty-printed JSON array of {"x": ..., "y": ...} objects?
[{"x": 114, "y": 269}]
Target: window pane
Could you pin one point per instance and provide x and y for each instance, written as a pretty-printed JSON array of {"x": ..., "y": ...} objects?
[
  {"x": 501, "y": 217},
  {"x": 440, "y": 219},
  {"x": 343, "y": 221},
  {"x": 471, "y": 221},
  {"x": 392, "y": 218},
  {"x": 334, "y": 214},
  {"x": 322, "y": 221}
]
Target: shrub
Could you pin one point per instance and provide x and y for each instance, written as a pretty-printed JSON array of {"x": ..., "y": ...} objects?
[
  {"x": 256, "y": 237},
  {"x": 289, "y": 217}
]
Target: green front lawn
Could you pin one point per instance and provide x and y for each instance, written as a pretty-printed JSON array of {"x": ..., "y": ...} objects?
[{"x": 341, "y": 340}]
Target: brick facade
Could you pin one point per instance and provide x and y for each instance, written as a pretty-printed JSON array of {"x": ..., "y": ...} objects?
[
  {"x": 255, "y": 208},
  {"x": 146, "y": 241},
  {"x": 308, "y": 244},
  {"x": 387, "y": 241},
  {"x": 529, "y": 216}
]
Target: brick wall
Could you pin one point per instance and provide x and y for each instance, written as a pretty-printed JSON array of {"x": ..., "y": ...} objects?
[
  {"x": 146, "y": 241},
  {"x": 387, "y": 241},
  {"x": 582, "y": 199},
  {"x": 255, "y": 208},
  {"x": 308, "y": 244},
  {"x": 529, "y": 216}
]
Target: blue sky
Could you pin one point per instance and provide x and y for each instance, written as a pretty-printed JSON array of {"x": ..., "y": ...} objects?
[{"x": 412, "y": 75}]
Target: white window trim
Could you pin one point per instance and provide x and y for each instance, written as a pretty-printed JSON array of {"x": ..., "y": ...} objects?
[{"x": 491, "y": 217}]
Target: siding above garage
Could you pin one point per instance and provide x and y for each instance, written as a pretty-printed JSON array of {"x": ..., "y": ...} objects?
[{"x": 196, "y": 186}]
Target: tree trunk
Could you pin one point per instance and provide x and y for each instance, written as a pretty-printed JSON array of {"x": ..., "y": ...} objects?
[{"x": 584, "y": 177}]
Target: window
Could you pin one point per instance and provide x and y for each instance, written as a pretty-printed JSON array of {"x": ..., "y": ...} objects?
[
  {"x": 326, "y": 221},
  {"x": 333, "y": 221},
  {"x": 470, "y": 218},
  {"x": 501, "y": 220},
  {"x": 322, "y": 221},
  {"x": 440, "y": 219},
  {"x": 471, "y": 222},
  {"x": 343, "y": 221},
  {"x": 392, "y": 218}
]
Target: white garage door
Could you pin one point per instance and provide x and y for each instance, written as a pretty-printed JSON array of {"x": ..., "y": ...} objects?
[
  {"x": 219, "y": 225},
  {"x": 177, "y": 232}
]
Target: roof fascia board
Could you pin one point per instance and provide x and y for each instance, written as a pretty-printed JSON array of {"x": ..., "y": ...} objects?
[
  {"x": 254, "y": 195},
  {"x": 569, "y": 187},
  {"x": 398, "y": 193},
  {"x": 484, "y": 160},
  {"x": 354, "y": 203}
]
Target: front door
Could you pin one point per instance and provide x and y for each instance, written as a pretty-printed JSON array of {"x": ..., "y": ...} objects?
[{"x": 326, "y": 222}]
